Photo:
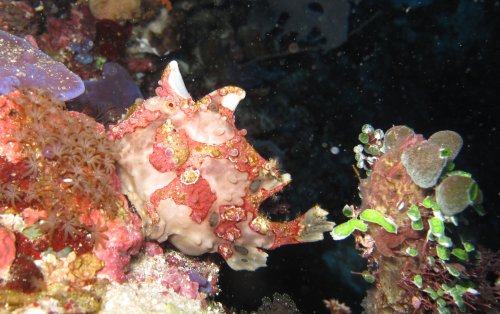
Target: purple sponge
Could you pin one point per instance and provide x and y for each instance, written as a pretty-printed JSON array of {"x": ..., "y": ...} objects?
[{"x": 23, "y": 66}]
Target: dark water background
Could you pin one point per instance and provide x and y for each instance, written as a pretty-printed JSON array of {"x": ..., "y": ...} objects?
[
  {"x": 315, "y": 72},
  {"x": 432, "y": 65}
]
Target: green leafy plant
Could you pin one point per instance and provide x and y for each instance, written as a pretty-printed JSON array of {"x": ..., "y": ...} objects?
[
  {"x": 371, "y": 215},
  {"x": 345, "y": 229}
]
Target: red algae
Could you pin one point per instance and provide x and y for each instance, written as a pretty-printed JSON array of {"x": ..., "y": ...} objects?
[
  {"x": 25, "y": 276},
  {"x": 28, "y": 248}
]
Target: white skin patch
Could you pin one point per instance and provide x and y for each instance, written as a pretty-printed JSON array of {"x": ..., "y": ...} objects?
[
  {"x": 230, "y": 101},
  {"x": 176, "y": 82},
  {"x": 205, "y": 127}
]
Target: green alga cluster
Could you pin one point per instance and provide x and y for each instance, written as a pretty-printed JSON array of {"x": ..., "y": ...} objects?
[{"x": 412, "y": 198}]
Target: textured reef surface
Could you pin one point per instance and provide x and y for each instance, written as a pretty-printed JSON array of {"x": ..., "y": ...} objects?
[
  {"x": 68, "y": 234},
  {"x": 87, "y": 186}
]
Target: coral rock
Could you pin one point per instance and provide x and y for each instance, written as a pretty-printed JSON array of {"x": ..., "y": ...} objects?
[{"x": 124, "y": 238}]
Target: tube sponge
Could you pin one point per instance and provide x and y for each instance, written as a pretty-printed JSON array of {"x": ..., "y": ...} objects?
[{"x": 23, "y": 66}]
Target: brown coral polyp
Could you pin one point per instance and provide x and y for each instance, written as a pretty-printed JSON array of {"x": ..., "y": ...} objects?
[{"x": 62, "y": 150}]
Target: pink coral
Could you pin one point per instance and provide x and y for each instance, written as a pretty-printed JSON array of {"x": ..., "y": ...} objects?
[
  {"x": 32, "y": 216},
  {"x": 7, "y": 249},
  {"x": 197, "y": 182},
  {"x": 152, "y": 248},
  {"x": 184, "y": 275},
  {"x": 121, "y": 239}
]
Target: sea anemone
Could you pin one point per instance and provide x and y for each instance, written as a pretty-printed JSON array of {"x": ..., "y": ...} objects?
[
  {"x": 32, "y": 166},
  {"x": 49, "y": 225},
  {"x": 97, "y": 235},
  {"x": 69, "y": 226},
  {"x": 11, "y": 193}
]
